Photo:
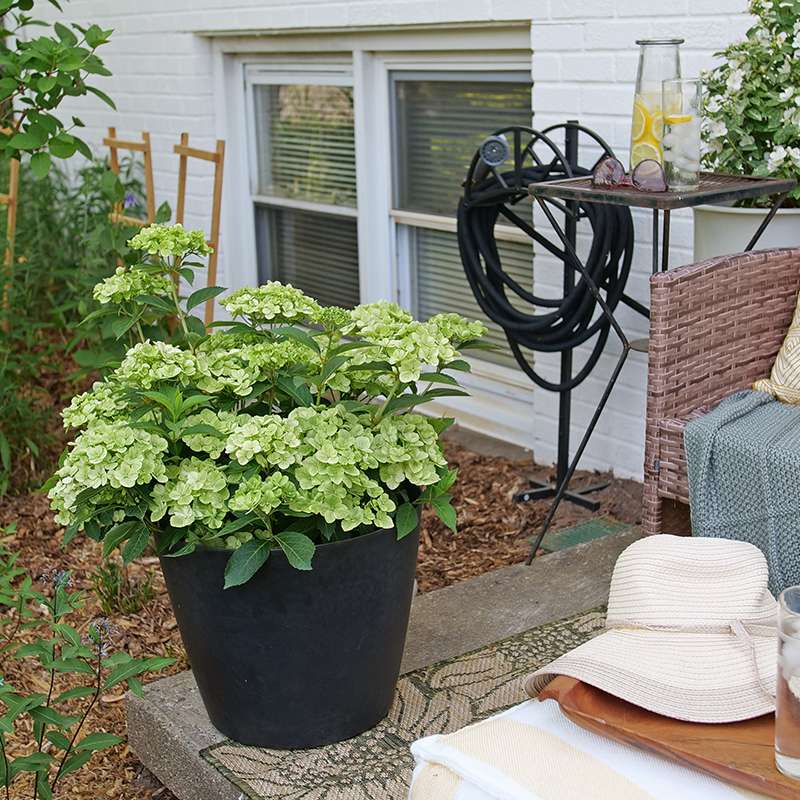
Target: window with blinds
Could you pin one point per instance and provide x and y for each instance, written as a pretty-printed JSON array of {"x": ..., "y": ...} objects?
[
  {"x": 439, "y": 122},
  {"x": 305, "y": 189}
]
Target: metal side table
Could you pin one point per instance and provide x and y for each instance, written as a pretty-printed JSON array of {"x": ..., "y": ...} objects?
[{"x": 713, "y": 188}]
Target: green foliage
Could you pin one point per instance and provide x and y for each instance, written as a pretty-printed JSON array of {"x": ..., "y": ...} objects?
[
  {"x": 65, "y": 244},
  {"x": 119, "y": 592},
  {"x": 752, "y": 109},
  {"x": 293, "y": 425},
  {"x": 41, "y": 66},
  {"x": 58, "y": 742}
]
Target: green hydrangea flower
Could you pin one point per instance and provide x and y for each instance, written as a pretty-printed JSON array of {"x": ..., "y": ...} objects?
[
  {"x": 272, "y": 303},
  {"x": 196, "y": 491},
  {"x": 126, "y": 284},
  {"x": 107, "y": 455},
  {"x": 103, "y": 402},
  {"x": 263, "y": 494},
  {"x": 457, "y": 329},
  {"x": 170, "y": 241},
  {"x": 213, "y": 446},
  {"x": 148, "y": 363}
]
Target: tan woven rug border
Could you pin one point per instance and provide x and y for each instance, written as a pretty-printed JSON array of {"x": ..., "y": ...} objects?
[{"x": 437, "y": 699}]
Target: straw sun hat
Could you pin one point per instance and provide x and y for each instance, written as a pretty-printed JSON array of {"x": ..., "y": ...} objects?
[{"x": 691, "y": 632}]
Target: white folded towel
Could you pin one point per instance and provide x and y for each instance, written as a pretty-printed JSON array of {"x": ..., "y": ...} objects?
[{"x": 533, "y": 752}]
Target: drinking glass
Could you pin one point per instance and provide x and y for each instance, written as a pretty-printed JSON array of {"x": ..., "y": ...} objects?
[
  {"x": 787, "y": 700},
  {"x": 659, "y": 59},
  {"x": 681, "y": 103}
]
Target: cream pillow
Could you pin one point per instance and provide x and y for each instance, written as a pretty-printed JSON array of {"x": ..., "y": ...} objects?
[{"x": 784, "y": 380}]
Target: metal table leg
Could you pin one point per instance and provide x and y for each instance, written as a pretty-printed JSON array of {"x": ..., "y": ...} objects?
[
  {"x": 562, "y": 487},
  {"x": 766, "y": 221}
]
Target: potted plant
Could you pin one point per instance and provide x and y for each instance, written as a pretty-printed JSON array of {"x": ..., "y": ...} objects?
[
  {"x": 752, "y": 127},
  {"x": 278, "y": 466}
]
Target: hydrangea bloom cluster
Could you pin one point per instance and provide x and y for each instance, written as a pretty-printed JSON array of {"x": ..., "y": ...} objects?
[
  {"x": 112, "y": 457},
  {"x": 170, "y": 241},
  {"x": 126, "y": 284},
  {"x": 300, "y": 417},
  {"x": 752, "y": 110},
  {"x": 274, "y": 303}
]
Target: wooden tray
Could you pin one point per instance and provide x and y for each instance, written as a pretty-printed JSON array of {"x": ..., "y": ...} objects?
[{"x": 741, "y": 753}]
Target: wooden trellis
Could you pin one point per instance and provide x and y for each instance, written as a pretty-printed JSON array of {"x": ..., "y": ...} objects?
[
  {"x": 216, "y": 157},
  {"x": 10, "y": 201},
  {"x": 144, "y": 147}
]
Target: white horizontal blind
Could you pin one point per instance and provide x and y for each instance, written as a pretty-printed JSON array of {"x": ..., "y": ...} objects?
[
  {"x": 305, "y": 188},
  {"x": 442, "y": 286},
  {"x": 439, "y": 125},
  {"x": 314, "y": 252},
  {"x": 305, "y": 142},
  {"x": 439, "y": 122}
]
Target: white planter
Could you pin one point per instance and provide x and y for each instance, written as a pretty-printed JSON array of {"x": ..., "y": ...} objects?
[{"x": 720, "y": 230}]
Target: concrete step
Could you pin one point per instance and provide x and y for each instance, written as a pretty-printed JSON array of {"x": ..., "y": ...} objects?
[{"x": 168, "y": 727}]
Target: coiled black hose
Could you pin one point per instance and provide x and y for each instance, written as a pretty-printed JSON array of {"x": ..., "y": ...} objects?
[{"x": 564, "y": 323}]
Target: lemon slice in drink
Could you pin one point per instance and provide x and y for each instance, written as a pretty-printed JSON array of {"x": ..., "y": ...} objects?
[
  {"x": 657, "y": 126},
  {"x": 641, "y": 117},
  {"x": 644, "y": 150},
  {"x": 678, "y": 119}
]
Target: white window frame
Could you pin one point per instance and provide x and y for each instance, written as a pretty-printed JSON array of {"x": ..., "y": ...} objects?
[
  {"x": 260, "y": 73},
  {"x": 371, "y": 56}
]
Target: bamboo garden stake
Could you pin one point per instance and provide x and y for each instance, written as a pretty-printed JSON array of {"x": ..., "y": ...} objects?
[
  {"x": 217, "y": 157},
  {"x": 9, "y": 200},
  {"x": 144, "y": 147}
]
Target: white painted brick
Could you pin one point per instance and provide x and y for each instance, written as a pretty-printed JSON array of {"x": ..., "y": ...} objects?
[
  {"x": 651, "y": 8},
  {"x": 587, "y": 67},
  {"x": 616, "y": 34},
  {"x": 560, "y": 36},
  {"x": 599, "y": 99},
  {"x": 511, "y": 9},
  {"x": 583, "y": 9},
  {"x": 546, "y": 66}
]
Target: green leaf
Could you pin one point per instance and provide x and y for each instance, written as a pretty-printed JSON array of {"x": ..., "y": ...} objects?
[
  {"x": 406, "y": 520},
  {"x": 447, "y": 480},
  {"x": 299, "y": 549},
  {"x": 445, "y": 511},
  {"x": 98, "y": 741},
  {"x": 245, "y": 562},
  {"x": 40, "y": 164},
  {"x": 63, "y": 146},
  {"x": 103, "y": 96},
  {"x": 156, "y": 302},
  {"x": 163, "y": 214},
  {"x": 134, "y": 668},
  {"x": 118, "y": 534},
  {"x": 49, "y": 716},
  {"x": 75, "y": 762},
  {"x": 237, "y": 524},
  {"x": 299, "y": 335},
  {"x": 119, "y": 327},
  {"x": 136, "y": 544},
  {"x": 58, "y": 739},
  {"x": 438, "y": 377},
  {"x": 44, "y": 792},
  {"x": 34, "y": 762},
  {"x": 201, "y": 295},
  {"x": 299, "y": 393},
  {"x": 79, "y": 691},
  {"x": 202, "y": 428}
]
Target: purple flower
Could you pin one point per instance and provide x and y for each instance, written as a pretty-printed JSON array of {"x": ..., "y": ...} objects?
[{"x": 130, "y": 200}]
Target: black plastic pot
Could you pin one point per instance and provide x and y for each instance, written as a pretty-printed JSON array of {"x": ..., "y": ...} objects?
[{"x": 297, "y": 659}]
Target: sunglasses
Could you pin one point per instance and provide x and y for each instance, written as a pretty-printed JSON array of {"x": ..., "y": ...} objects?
[{"x": 646, "y": 176}]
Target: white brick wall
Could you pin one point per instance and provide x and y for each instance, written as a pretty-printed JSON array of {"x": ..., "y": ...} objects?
[{"x": 584, "y": 65}]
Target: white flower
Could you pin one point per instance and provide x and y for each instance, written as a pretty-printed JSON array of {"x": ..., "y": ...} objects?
[
  {"x": 781, "y": 37},
  {"x": 735, "y": 77},
  {"x": 713, "y": 105},
  {"x": 776, "y": 158},
  {"x": 717, "y": 129},
  {"x": 794, "y": 155},
  {"x": 786, "y": 94}
]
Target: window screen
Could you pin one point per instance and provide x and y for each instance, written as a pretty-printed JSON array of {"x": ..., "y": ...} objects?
[
  {"x": 317, "y": 253},
  {"x": 305, "y": 155},
  {"x": 439, "y": 125}
]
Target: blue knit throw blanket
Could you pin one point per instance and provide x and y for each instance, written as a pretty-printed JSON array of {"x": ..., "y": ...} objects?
[{"x": 744, "y": 478}]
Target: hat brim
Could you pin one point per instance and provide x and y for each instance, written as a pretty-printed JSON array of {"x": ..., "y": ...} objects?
[{"x": 695, "y": 677}]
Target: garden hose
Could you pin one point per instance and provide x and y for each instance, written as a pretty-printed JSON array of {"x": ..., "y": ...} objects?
[{"x": 561, "y": 323}]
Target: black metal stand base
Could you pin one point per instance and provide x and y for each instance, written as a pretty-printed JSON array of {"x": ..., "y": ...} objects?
[{"x": 542, "y": 491}]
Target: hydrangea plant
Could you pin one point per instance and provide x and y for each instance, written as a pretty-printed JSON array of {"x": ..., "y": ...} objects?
[
  {"x": 752, "y": 108},
  {"x": 290, "y": 425}
]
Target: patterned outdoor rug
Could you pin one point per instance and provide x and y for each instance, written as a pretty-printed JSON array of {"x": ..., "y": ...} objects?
[{"x": 437, "y": 699}]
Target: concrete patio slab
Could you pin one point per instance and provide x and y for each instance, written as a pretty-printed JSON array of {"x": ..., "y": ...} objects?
[{"x": 167, "y": 728}]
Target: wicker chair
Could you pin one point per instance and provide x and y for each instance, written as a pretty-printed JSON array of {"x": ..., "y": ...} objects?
[{"x": 715, "y": 327}]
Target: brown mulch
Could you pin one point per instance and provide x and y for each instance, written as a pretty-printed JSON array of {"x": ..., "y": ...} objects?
[{"x": 493, "y": 532}]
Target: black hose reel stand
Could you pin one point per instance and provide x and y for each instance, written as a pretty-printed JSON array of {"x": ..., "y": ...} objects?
[{"x": 592, "y": 287}]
